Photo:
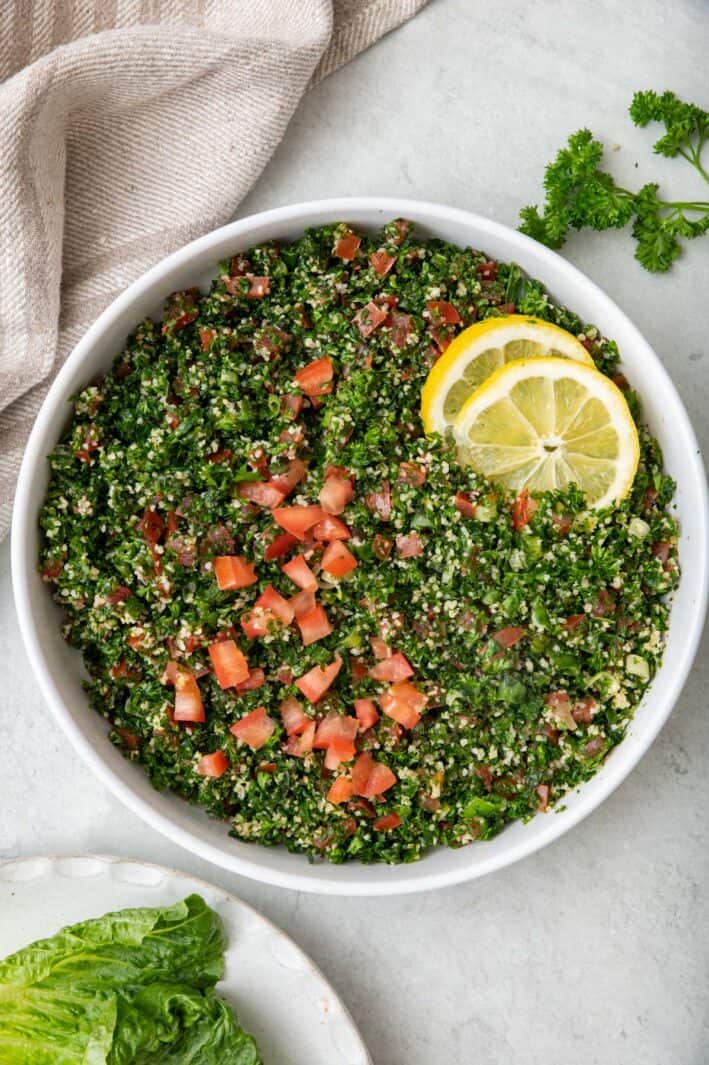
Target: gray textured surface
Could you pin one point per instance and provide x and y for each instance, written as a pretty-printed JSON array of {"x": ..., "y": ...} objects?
[{"x": 595, "y": 950}]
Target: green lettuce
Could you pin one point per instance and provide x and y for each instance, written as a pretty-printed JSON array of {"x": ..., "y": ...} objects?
[{"x": 135, "y": 987}]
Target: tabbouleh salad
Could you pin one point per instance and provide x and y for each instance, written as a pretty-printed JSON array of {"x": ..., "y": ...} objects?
[{"x": 297, "y": 610}]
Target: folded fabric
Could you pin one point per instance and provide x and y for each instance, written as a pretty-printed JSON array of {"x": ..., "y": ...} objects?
[{"x": 127, "y": 128}]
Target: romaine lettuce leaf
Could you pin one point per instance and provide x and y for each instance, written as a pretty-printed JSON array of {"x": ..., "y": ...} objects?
[{"x": 131, "y": 988}]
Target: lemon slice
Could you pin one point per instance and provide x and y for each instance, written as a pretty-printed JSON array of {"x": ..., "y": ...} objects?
[
  {"x": 545, "y": 423},
  {"x": 480, "y": 350}
]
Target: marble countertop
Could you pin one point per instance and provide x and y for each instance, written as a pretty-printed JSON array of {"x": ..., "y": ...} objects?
[{"x": 596, "y": 949}]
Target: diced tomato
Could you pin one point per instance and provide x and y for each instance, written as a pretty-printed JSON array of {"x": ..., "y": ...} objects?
[
  {"x": 170, "y": 672},
  {"x": 295, "y": 720},
  {"x": 188, "y": 698},
  {"x": 562, "y": 523},
  {"x": 274, "y": 602},
  {"x": 465, "y": 505},
  {"x": 258, "y": 287},
  {"x": 121, "y": 593},
  {"x": 649, "y": 499},
  {"x": 224, "y": 454},
  {"x": 338, "y": 560},
  {"x": 256, "y": 622},
  {"x": 522, "y": 509},
  {"x": 293, "y": 436},
  {"x": 335, "y": 494},
  {"x": 206, "y": 336},
  {"x": 510, "y": 636},
  {"x": 340, "y": 791},
  {"x": 291, "y": 405},
  {"x": 409, "y": 693},
  {"x": 268, "y": 608},
  {"x": 584, "y": 709},
  {"x": 331, "y": 528},
  {"x": 380, "y": 502},
  {"x": 573, "y": 621},
  {"x": 402, "y": 328},
  {"x": 369, "y": 317},
  {"x": 382, "y": 547},
  {"x": 129, "y": 739},
  {"x": 442, "y": 311},
  {"x": 560, "y": 706},
  {"x": 230, "y": 665},
  {"x": 358, "y": 668},
  {"x": 151, "y": 526},
  {"x": 302, "y": 602},
  {"x": 297, "y": 520},
  {"x": 370, "y": 778},
  {"x": 386, "y": 823},
  {"x": 255, "y": 729},
  {"x": 286, "y": 482},
  {"x": 51, "y": 571},
  {"x": 542, "y": 791},
  {"x": 262, "y": 493},
  {"x": 409, "y": 545},
  {"x": 335, "y": 726},
  {"x": 255, "y": 679},
  {"x": 317, "y": 680},
  {"x": 442, "y": 338},
  {"x": 403, "y": 227},
  {"x": 412, "y": 473},
  {"x": 232, "y": 572},
  {"x": 487, "y": 271},
  {"x": 381, "y": 262},
  {"x": 300, "y": 573},
  {"x": 123, "y": 671},
  {"x": 257, "y": 460},
  {"x": 338, "y": 471},
  {"x": 399, "y": 710},
  {"x": 314, "y": 626},
  {"x": 366, "y": 713},
  {"x": 346, "y": 247},
  {"x": 361, "y": 772},
  {"x": 315, "y": 379},
  {"x": 392, "y": 669},
  {"x": 380, "y": 649},
  {"x": 661, "y": 550},
  {"x": 271, "y": 340},
  {"x": 380, "y": 780},
  {"x": 300, "y": 745},
  {"x": 213, "y": 765},
  {"x": 135, "y": 642},
  {"x": 279, "y": 546},
  {"x": 339, "y": 751}
]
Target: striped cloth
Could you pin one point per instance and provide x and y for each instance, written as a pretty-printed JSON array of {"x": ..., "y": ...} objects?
[{"x": 127, "y": 128}]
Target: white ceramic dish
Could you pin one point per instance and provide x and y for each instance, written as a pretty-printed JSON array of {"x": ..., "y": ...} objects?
[
  {"x": 58, "y": 669},
  {"x": 278, "y": 993}
]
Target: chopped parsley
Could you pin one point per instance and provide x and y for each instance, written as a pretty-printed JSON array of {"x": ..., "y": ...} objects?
[{"x": 531, "y": 641}]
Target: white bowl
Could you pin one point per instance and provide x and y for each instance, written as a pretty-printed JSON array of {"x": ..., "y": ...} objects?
[{"x": 59, "y": 669}]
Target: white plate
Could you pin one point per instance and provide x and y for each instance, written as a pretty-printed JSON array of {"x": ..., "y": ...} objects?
[
  {"x": 58, "y": 668},
  {"x": 279, "y": 995}
]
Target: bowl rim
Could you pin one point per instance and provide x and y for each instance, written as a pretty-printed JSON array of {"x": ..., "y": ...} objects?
[{"x": 22, "y": 565}]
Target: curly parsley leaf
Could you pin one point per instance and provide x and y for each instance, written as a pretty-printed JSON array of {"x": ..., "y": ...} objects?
[
  {"x": 686, "y": 125},
  {"x": 580, "y": 194}
]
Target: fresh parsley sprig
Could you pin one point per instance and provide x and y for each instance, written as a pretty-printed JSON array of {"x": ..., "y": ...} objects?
[{"x": 580, "y": 194}]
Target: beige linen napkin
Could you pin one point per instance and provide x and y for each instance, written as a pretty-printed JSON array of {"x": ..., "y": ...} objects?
[{"x": 127, "y": 128}]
